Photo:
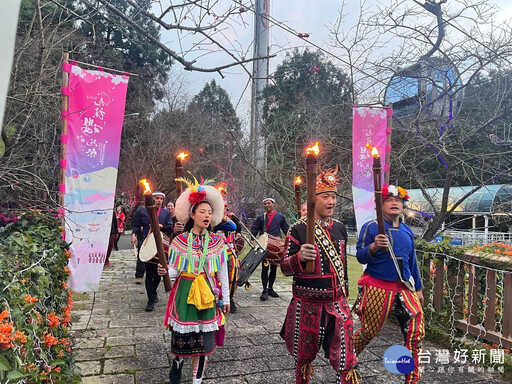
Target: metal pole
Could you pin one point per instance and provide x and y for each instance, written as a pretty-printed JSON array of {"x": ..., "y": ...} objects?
[{"x": 259, "y": 81}]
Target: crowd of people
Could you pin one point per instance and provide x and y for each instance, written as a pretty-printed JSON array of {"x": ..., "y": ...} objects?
[{"x": 203, "y": 267}]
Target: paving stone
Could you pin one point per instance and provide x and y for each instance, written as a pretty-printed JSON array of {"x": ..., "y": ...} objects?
[
  {"x": 89, "y": 367},
  {"x": 152, "y": 348},
  {"x": 133, "y": 339},
  {"x": 153, "y": 376},
  {"x": 268, "y": 351},
  {"x": 109, "y": 379},
  {"x": 85, "y": 354},
  {"x": 120, "y": 351},
  {"x": 138, "y": 362},
  {"x": 84, "y": 342}
]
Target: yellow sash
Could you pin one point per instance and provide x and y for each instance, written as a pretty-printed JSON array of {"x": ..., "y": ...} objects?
[{"x": 200, "y": 293}]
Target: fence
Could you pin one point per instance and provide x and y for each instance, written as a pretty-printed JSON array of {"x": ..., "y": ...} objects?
[
  {"x": 474, "y": 293},
  {"x": 470, "y": 239}
]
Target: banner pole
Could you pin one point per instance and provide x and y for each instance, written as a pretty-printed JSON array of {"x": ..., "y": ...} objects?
[
  {"x": 387, "y": 162},
  {"x": 64, "y": 133}
]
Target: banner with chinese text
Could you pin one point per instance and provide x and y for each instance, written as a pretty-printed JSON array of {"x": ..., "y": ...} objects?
[
  {"x": 95, "y": 120},
  {"x": 369, "y": 127}
]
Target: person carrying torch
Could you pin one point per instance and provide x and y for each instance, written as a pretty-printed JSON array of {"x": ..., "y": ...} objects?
[
  {"x": 141, "y": 224},
  {"x": 318, "y": 314},
  {"x": 391, "y": 282}
]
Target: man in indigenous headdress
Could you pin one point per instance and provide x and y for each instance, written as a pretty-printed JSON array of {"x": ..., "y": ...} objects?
[
  {"x": 384, "y": 291},
  {"x": 271, "y": 222},
  {"x": 318, "y": 314}
]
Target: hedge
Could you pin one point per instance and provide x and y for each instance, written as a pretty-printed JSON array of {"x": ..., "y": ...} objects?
[{"x": 35, "y": 304}]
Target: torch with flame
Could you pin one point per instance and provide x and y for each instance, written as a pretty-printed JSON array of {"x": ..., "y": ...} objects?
[
  {"x": 180, "y": 158},
  {"x": 311, "y": 169},
  {"x": 155, "y": 230},
  {"x": 145, "y": 184},
  {"x": 298, "y": 203},
  {"x": 377, "y": 187}
]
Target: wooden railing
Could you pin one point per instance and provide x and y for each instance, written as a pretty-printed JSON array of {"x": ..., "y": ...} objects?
[{"x": 466, "y": 288}]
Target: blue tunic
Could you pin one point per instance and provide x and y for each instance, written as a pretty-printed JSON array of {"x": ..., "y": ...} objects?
[
  {"x": 381, "y": 265},
  {"x": 277, "y": 225}
]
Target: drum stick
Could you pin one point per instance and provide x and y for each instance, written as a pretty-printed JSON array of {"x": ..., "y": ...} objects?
[{"x": 253, "y": 237}]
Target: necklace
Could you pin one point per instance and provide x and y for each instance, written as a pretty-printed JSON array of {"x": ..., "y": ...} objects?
[
  {"x": 196, "y": 267},
  {"x": 324, "y": 224}
]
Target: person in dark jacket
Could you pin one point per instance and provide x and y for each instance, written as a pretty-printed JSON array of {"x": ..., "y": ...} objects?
[
  {"x": 271, "y": 222},
  {"x": 112, "y": 239},
  {"x": 140, "y": 230}
]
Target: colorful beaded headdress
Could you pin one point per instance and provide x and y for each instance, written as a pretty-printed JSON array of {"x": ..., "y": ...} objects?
[
  {"x": 327, "y": 180},
  {"x": 392, "y": 191},
  {"x": 195, "y": 194}
]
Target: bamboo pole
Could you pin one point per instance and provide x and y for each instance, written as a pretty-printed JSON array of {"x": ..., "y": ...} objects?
[
  {"x": 311, "y": 166},
  {"x": 378, "y": 193}
]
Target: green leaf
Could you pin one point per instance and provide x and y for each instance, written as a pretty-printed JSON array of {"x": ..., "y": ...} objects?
[
  {"x": 4, "y": 364},
  {"x": 27, "y": 307},
  {"x": 14, "y": 375},
  {"x": 58, "y": 362}
]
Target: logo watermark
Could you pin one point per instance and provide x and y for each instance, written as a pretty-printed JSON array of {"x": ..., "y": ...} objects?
[{"x": 398, "y": 359}]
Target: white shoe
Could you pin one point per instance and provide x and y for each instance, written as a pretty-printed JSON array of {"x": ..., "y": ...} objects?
[{"x": 197, "y": 381}]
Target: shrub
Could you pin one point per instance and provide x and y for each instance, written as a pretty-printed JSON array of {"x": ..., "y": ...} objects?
[{"x": 35, "y": 304}]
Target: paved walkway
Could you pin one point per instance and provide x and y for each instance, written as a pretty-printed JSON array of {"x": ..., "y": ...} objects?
[{"x": 116, "y": 341}]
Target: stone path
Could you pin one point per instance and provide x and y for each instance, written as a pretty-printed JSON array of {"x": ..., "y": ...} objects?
[{"x": 116, "y": 341}]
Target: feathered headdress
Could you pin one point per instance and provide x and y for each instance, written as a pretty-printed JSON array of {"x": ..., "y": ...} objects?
[
  {"x": 195, "y": 194},
  {"x": 327, "y": 180}
]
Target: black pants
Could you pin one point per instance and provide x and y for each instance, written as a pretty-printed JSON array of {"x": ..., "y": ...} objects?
[
  {"x": 267, "y": 279},
  {"x": 152, "y": 280},
  {"x": 141, "y": 267}
]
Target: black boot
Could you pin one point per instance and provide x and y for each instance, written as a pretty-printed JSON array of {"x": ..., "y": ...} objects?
[
  {"x": 264, "y": 295},
  {"x": 232, "y": 307},
  {"x": 175, "y": 374},
  {"x": 272, "y": 293}
]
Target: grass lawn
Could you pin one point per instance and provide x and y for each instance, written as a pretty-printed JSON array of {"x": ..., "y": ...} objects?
[{"x": 355, "y": 270}]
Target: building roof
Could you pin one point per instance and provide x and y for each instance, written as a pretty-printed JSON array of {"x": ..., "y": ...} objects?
[{"x": 490, "y": 199}]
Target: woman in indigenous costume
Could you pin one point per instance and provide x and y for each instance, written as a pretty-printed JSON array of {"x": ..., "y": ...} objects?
[{"x": 200, "y": 292}]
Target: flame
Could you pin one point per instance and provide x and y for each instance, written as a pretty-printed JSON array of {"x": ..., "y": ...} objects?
[
  {"x": 182, "y": 155},
  {"x": 146, "y": 185},
  {"x": 314, "y": 149},
  {"x": 298, "y": 180},
  {"x": 375, "y": 152}
]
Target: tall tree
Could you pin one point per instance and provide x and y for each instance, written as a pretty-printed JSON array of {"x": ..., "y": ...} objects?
[{"x": 309, "y": 100}]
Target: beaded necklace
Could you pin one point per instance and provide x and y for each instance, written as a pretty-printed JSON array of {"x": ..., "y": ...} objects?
[
  {"x": 194, "y": 266},
  {"x": 324, "y": 224}
]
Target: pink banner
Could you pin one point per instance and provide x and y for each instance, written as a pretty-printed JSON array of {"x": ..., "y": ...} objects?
[
  {"x": 369, "y": 127},
  {"x": 95, "y": 120}
]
